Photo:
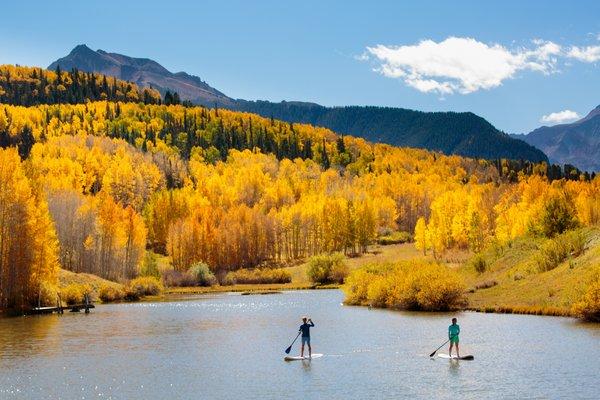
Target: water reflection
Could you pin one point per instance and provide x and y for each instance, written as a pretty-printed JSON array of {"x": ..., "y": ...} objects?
[
  {"x": 454, "y": 366},
  {"x": 306, "y": 365},
  {"x": 22, "y": 336}
]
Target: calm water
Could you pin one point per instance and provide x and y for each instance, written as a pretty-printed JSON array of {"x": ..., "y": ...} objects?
[{"x": 231, "y": 347}]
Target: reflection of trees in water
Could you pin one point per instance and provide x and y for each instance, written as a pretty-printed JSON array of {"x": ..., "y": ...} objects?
[{"x": 23, "y": 336}]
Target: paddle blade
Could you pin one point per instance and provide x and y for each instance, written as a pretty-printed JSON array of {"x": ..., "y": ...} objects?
[
  {"x": 433, "y": 354},
  {"x": 287, "y": 351}
]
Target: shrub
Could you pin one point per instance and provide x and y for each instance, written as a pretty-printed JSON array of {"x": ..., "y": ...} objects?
[
  {"x": 150, "y": 265},
  {"x": 479, "y": 264},
  {"x": 517, "y": 277},
  {"x": 576, "y": 242},
  {"x": 174, "y": 278},
  {"x": 202, "y": 274},
  {"x": 558, "y": 216},
  {"x": 339, "y": 272},
  {"x": 258, "y": 275},
  {"x": 486, "y": 284},
  {"x": 74, "y": 293},
  {"x": 557, "y": 250},
  {"x": 588, "y": 307},
  {"x": 394, "y": 238},
  {"x": 550, "y": 255},
  {"x": 109, "y": 293},
  {"x": 415, "y": 285},
  {"x": 143, "y": 286},
  {"x": 357, "y": 286},
  {"x": 327, "y": 268}
]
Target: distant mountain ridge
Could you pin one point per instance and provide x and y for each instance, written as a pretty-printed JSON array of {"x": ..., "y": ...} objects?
[
  {"x": 143, "y": 72},
  {"x": 464, "y": 134},
  {"x": 577, "y": 143}
]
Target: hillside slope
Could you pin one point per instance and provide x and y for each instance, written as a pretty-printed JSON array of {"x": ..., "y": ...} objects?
[
  {"x": 465, "y": 134},
  {"x": 513, "y": 282}
]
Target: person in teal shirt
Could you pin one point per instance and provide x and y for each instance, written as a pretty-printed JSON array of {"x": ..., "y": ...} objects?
[{"x": 453, "y": 332}]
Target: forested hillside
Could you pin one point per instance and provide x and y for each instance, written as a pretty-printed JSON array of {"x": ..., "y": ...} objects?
[
  {"x": 93, "y": 187},
  {"x": 465, "y": 134},
  {"x": 29, "y": 86}
]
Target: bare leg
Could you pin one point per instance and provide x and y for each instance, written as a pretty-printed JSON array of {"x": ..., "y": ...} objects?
[
  {"x": 302, "y": 350},
  {"x": 457, "y": 352},
  {"x": 450, "y": 351},
  {"x": 309, "y": 351}
]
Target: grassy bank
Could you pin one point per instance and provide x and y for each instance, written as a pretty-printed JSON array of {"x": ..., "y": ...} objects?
[{"x": 512, "y": 281}]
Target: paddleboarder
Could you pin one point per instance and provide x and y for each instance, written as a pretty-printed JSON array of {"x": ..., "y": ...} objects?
[
  {"x": 305, "y": 330},
  {"x": 453, "y": 332}
]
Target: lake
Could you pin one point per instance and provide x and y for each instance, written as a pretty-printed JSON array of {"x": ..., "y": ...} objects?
[{"x": 229, "y": 346}]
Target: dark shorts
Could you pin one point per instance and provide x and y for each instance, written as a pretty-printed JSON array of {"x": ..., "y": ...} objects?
[{"x": 306, "y": 340}]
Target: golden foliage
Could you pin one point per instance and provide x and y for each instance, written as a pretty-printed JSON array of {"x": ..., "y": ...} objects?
[
  {"x": 28, "y": 245},
  {"x": 588, "y": 307},
  {"x": 414, "y": 285}
]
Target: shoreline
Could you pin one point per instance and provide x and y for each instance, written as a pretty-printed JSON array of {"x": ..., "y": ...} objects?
[
  {"x": 247, "y": 288},
  {"x": 258, "y": 289}
]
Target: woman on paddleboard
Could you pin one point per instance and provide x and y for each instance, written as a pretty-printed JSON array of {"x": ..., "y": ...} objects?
[
  {"x": 305, "y": 329},
  {"x": 453, "y": 332}
]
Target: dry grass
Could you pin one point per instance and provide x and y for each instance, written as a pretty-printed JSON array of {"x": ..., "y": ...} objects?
[
  {"x": 68, "y": 278},
  {"x": 377, "y": 254}
]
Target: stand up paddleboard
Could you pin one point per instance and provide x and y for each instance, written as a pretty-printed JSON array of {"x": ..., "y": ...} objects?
[
  {"x": 298, "y": 358},
  {"x": 455, "y": 357}
]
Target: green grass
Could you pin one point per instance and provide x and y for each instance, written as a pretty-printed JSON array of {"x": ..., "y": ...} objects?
[{"x": 521, "y": 287}]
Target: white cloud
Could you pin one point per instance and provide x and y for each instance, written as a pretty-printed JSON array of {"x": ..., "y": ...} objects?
[
  {"x": 588, "y": 54},
  {"x": 462, "y": 65},
  {"x": 560, "y": 117}
]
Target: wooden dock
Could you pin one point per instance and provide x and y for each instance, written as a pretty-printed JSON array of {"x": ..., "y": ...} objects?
[
  {"x": 61, "y": 309},
  {"x": 86, "y": 306}
]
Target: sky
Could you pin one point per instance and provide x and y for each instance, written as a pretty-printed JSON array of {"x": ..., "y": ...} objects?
[{"x": 519, "y": 64}]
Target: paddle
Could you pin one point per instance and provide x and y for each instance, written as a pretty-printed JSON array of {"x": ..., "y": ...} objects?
[
  {"x": 433, "y": 354},
  {"x": 287, "y": 351}
]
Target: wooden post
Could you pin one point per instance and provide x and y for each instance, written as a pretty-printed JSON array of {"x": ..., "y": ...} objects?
[
  {"x": 60, "y": 309},
  {"x": 87, "y": 303}
]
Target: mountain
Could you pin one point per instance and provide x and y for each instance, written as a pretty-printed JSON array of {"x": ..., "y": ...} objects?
[
  {"x": 143, "y": 72},
  {"x": 464, "y": 134},
  {"x": 577, "y": 143}
]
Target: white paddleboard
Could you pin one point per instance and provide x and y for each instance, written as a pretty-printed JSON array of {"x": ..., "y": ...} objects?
[
  {"x": 442, "y": 355},
  {"x": 298, "y": 358}
]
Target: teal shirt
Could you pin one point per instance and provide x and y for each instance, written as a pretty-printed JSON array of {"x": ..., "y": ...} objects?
[{"x": 453, "y": 331}]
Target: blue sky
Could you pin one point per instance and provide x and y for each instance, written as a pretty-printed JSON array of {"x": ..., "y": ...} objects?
[{"x": 512, "y": 63}]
